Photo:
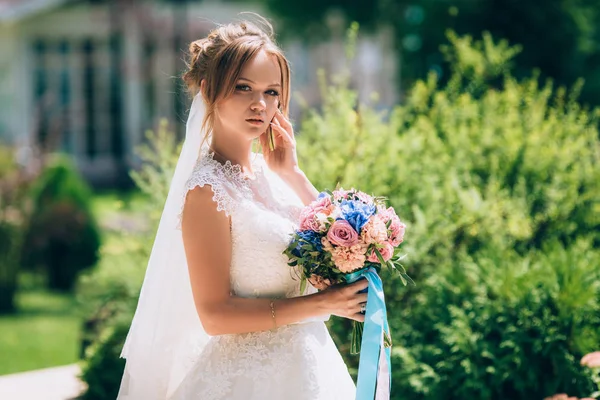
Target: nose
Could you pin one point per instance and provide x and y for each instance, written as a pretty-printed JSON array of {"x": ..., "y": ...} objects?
[{"x": 258, "y": 104}]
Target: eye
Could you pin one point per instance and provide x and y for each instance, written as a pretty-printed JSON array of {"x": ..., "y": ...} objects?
[
  {"x": 242, "y": 88},
  {"x": 273, "y": 92}
]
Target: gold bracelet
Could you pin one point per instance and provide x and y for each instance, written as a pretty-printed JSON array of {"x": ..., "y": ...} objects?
[{"x": 272, "y": 305}]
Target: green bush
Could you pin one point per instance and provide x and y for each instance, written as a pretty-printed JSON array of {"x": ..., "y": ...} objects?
[
  {"x": 103, "y": 367},
  {"x": 9, "y": 249},
  {"x": 62, "y": 236},
  {"x": 499, "y": 182},
  {"x": 513, "y": 332}
]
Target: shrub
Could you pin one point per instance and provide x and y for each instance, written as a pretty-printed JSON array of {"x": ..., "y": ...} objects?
[
  {"x": 499, "y": 181},
  {"x": 62, "y": 235},
  {"x": 103, "y": 368}
]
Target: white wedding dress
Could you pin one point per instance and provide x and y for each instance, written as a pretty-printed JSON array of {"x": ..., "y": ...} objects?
[{"x": 293, "y": 362}]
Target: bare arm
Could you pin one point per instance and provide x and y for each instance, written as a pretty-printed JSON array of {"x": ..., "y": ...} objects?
[{"x": 207, "y": 243}]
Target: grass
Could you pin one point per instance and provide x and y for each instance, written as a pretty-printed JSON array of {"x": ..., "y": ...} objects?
[
  {"x": 44, "y": 333},
  {"x": 46, "y": 329}
]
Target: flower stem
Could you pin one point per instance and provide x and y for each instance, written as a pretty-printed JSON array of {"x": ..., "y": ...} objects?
[{"x": 357, "y": 333}]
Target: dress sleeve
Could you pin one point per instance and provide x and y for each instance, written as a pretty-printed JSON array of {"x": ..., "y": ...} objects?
[{"x": 223, "y": 191}]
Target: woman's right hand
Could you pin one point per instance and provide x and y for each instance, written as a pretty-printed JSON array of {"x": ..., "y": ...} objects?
[{"x": 346, "y": 300}]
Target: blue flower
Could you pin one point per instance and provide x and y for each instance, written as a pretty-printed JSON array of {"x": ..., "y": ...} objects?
[
  {"x": 322, "y": 194},
  {"x": 356, "y": 213},
  {"x": 304, "y": 237}
]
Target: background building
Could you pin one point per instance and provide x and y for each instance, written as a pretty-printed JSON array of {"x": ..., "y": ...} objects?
[{"x": 88, "y": 77}]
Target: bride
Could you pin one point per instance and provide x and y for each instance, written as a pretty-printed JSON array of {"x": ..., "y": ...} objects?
[{"x": 220, "y": 314}]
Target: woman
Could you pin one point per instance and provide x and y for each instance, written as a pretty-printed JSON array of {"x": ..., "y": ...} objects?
[{"x": 220, "y": 314}]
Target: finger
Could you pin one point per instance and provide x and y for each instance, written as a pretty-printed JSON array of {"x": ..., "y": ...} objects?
[
  {"x": 284, "y": 134},
  {"x": 358, "y": 317},
  {"x": 284, "y": 121},
  {"x": 359, "y": 308},
  {"x": 361, "y": 298},
  {"x": 356, "y": 287},
  {"x": 360, "y": 284},
  {"x": 285, "y": 124}
]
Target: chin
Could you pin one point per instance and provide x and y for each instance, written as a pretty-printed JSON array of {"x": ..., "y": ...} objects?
[{"x": 256, "y": 130}]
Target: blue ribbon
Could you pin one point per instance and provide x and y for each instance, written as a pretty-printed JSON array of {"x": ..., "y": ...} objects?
[{"x": 376, "y": 325}]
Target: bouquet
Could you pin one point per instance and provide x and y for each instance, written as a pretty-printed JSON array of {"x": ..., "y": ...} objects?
[{"x": 346, "y": 235}]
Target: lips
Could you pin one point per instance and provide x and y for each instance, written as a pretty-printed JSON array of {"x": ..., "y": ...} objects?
[{"x": 256, "y": 119}]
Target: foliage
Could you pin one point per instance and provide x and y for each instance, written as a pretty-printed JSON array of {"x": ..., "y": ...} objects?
[
  {"x": 62, "y": 236},
  {"x": 103, "y": 368},
  {"x": 110, "y": 293},
  {"x": 14, "y": 182},
  {"x": 559, "y": 37},
  {"x": 499, "y": 181}
]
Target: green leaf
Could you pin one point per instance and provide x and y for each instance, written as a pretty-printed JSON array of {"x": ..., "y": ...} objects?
[
  {"x": 379, "y": 256},
  {"x": 405, "y": 278},
  {"x": 302, "y": 285}
]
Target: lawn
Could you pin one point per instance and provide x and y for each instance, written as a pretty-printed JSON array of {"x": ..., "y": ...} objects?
[{"x": 45, "y": 332}]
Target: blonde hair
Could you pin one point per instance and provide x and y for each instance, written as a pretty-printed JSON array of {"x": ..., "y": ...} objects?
[{"x": 219, "y": 59}]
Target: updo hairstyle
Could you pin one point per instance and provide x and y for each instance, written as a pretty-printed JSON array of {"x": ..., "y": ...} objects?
[{"x": 219, "y": 59}]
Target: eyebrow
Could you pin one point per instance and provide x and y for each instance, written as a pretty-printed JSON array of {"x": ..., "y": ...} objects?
[{"x": 246, "y": 79}]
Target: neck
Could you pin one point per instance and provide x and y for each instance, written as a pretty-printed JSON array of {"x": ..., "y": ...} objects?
[{"x": 232, "y": 149}]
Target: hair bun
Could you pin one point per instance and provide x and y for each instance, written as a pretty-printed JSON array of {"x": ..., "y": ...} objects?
[
  {"x": 205, "y": 55},
  {"x": 197, "y": 56}
]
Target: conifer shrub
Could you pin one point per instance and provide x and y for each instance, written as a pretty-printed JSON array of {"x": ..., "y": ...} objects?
[{"x": 62, "y": 237}]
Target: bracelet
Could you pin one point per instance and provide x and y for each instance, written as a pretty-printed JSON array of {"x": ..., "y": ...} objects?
[{"x": 272, "y": 305}]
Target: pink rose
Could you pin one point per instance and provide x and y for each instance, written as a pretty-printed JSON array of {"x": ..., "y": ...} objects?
[
  {"x": 397, "y": 229},
  {"x": 340, "y": 194},
  {"x": 591, "y": 360},
  {"x": 387, "y": 252},
  {"x": 561, "y": 396},
  {"x": 365, "y": 198},
  {"x": 321, "y": 204},
  {"x": 374, "y": 231},
  {"x": 386, "y": 213},
  {"x": 341, "y": 233},
  {"x": 349, "y": 259},
  {"x": 308, "y": 220}
]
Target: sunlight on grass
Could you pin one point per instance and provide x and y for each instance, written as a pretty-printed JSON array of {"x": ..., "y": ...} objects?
[
  {"x": 46, "y": 330},
  {"x": 44, "y": 334}
]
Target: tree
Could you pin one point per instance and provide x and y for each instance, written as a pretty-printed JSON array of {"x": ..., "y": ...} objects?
[{"x": 559, "y": 37}]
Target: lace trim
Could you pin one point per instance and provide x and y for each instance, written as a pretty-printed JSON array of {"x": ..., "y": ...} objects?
[
  {"x": 232, "y": 171},
  {"x": 209, "y": 171}
]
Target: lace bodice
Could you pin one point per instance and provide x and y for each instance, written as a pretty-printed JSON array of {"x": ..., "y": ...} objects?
[
  {"x": 264, "y": 212},
  {"x": 295, "y": 362}
]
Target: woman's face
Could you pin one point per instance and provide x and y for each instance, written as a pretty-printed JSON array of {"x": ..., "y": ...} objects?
[{"x": 252, "y": 106}]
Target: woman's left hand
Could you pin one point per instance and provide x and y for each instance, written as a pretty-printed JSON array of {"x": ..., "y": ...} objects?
[{"x": 283, "y": 160}]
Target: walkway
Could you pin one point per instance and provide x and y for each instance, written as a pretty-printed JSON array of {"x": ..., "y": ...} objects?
[{"x": 59, "y": 383}]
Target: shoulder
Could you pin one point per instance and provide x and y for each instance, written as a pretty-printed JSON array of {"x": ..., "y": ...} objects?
[
  {"x": 200, "y": 205},
  {"x": 211, "y": 184}
]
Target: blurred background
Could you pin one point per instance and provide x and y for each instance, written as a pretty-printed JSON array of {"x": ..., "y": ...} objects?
[{"x": 477, "y": 119}]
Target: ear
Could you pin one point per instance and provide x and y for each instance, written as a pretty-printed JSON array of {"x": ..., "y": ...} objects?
[{"x": 203, "y": 87}]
